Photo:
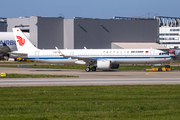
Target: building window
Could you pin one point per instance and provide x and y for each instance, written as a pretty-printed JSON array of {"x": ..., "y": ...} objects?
[
  {"x": 174, "y": 29},
  {"x": 169, "y": 34}
]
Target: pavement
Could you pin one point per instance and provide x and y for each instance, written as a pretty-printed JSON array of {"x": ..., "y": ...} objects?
[{"x": 100, "y": 77}]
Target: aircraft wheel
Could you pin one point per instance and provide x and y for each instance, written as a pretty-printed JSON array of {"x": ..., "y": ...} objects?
[
  {"x": 159, "y": 69},
  {"x": 87, "y": 69},
  {"x": 93, "y": 68}
]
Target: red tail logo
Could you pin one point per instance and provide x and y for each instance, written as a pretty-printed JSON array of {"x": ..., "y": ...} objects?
[{"x": 20, "y": 40}]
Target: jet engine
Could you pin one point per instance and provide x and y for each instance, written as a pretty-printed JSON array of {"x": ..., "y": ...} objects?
[{"x": 106, "y": 64}]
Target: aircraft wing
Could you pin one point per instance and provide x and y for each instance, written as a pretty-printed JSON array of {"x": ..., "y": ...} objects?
[
  {"x": 79, "y": 58},
  {"x": 85, "y": 59}
]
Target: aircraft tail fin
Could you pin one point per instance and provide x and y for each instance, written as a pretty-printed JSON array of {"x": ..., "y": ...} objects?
[{"x": 22, "y": 42}]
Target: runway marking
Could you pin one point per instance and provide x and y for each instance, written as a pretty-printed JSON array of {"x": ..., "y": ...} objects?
[{"x": 157, "y": 74}]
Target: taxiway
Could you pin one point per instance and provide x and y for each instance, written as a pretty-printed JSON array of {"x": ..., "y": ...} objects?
[{"x": 100, "y": 77}]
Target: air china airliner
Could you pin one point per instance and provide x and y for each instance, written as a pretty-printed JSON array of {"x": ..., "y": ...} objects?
[{"x": 98, "y": 58}]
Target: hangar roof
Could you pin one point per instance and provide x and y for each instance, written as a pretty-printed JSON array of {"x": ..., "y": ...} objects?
[{"x": 120, "y": 45}]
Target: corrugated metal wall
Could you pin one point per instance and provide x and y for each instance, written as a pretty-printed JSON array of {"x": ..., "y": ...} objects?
[
  {"x": 99, "y": 33},
  {"x": 45, "y": 32},
  {"x": 3, "y": 26},
  {"x": 50, "y": 33},
  {"x": 25, "y": 23}
]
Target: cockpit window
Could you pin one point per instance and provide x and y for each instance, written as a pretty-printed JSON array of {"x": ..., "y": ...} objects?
[{"x": 162, "y": 53}]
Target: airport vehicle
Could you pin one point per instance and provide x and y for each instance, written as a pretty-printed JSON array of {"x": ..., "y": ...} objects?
[
  {"x": 165, "y": 68},
  {"x": 175, "y": 54},
  {"x": 98, "y": 58},
  {"x": 22, "y": 59},
  {"x": 172, "y": 52}
]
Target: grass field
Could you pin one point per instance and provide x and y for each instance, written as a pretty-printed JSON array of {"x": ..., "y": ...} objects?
[
  {"x": 142, "y": 102},
  {"x": 121, "y": 67},
  {"x": 13, "y": 75}
]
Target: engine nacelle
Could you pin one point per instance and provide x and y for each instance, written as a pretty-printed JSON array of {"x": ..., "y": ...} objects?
[{"x": 106, "y": 64}]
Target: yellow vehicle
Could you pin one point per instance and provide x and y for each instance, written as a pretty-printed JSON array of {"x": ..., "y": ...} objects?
[
  {"x": 21, "y": 59},
  {"x": 165, "y": 68}
]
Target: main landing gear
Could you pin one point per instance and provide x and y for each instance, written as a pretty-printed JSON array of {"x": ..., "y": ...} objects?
[{"x": 88, "y": 69}]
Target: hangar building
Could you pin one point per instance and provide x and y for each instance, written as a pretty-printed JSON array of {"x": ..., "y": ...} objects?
[
  {"x": 45, "y": 32},
  {"x": 100, "y": 33},
  {"x": 77, "y": 33},
  {"x": 169, "y": 32},
  {"x": 3, "y": 25}
]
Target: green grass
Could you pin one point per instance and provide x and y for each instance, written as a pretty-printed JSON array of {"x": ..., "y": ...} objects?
[
  {"x": 49, "y": 66},
  {"x": 142, "y": 67},
  {"x": 121, "y": 67},
  {"x": 8, "y": 75},
  {"x": 140, "y": 102}
]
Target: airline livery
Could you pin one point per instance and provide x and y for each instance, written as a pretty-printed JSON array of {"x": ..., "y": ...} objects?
[
  {"x": 98, "y": 58},
  {"x": 7, "y": 43},
  {"x": 8, "y": 39}
]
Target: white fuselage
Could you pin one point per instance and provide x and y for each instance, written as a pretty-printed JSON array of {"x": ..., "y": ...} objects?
[
  {"x": 118, "y": 56},
  {"x": 98, "y": 58}
]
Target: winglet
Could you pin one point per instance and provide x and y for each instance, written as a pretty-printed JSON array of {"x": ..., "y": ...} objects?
[{"x": 60, "y": 53}]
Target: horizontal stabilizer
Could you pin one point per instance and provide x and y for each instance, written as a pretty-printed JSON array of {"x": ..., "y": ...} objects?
[{"x": 18, "y": 53}]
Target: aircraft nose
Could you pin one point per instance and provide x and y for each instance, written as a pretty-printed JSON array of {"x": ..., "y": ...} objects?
[{"x": 169, "y": 58}]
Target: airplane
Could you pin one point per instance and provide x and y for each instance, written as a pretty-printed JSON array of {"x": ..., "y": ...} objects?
[
  {"x": 98, "y": 58},
  {"x": 7, "y": 43},
  {"x": 4, "y": 50}
]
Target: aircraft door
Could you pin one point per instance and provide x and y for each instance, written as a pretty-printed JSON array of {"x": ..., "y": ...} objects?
[
  {"x": 71, "y": 53},
  {"x": 152, "y": 53},
  {"x": 37, "y": 54}
]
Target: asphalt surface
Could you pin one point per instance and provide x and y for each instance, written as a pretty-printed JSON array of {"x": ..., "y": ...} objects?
[
  {"x": 82, "y": 82},
  {"x": 99, "y": 77}
]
